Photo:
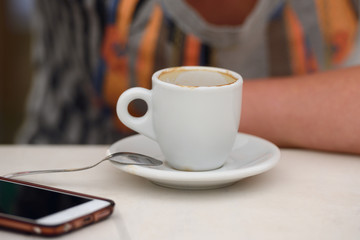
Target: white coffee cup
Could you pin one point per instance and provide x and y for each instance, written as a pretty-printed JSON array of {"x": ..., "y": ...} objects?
[{"x": 193, "y": 114}]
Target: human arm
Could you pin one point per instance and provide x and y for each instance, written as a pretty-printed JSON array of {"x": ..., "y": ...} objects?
[{"x": 317, "y": 111}]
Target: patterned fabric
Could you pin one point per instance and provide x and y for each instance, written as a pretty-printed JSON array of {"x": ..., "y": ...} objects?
[
  {"x": 63, "y": 106},
  {"x": 88, "y": 52}
]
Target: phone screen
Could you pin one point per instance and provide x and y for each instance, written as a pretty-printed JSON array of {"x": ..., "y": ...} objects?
[{"x": 33, "y": 203}]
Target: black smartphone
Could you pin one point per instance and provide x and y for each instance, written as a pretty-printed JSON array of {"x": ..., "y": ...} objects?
[{"x": 43, "y": 210}]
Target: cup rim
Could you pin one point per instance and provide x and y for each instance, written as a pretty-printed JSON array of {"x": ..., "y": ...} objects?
[{"x": 239, "y": 79}]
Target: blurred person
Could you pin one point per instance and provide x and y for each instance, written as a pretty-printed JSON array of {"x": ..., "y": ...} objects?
[{"x": 299, "y": 60}]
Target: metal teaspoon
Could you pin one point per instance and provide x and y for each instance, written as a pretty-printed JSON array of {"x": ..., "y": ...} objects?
[{"x": 126, "y": 158}]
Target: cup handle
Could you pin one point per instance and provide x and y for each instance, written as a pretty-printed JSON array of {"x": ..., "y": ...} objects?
[{"x": 142, "y": 124}]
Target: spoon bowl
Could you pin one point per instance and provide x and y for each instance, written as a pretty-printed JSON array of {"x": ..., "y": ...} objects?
[{"x": 129, "y": 158}]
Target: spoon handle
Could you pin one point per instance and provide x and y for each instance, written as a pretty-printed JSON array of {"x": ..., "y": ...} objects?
[{"x": 18, "y": 174}]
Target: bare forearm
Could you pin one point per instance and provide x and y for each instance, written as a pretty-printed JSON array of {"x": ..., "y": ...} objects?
[{"x": 318, "y": 111}]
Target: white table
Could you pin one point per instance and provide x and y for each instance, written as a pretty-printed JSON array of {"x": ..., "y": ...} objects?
[{"x": 308, "y": 195}]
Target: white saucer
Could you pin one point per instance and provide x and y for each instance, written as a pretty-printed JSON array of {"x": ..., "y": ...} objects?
[{"x": 250, "y": 156}]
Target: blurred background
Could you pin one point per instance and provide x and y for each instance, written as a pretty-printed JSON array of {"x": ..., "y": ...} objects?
[{"x": 15, "y": 65}]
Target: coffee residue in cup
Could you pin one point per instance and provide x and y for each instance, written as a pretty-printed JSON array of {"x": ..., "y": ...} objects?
[{"x": 196, "y": 77}]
